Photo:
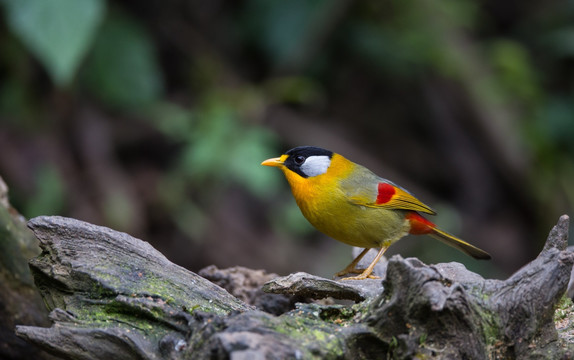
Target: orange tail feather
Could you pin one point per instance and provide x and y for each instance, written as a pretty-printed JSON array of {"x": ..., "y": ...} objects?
[{"x": 420, "y": 226}]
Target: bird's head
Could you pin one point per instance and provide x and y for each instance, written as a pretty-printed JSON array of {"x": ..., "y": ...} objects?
[{"x": 306, "y": 161}]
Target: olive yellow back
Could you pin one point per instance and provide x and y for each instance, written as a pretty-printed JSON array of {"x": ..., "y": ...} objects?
[{"x": 325, "y": 202}]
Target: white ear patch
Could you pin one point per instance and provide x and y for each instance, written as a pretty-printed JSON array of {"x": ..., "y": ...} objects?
[{"x": 316, "y": 165}]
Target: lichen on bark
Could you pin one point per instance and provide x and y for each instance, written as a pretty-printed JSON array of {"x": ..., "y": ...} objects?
[{"x": 113, "y": 295}]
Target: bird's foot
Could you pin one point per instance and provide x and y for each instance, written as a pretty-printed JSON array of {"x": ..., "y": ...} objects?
[
  {"x": 363, "y": 276},
  {"x": 349, "y": 271}
]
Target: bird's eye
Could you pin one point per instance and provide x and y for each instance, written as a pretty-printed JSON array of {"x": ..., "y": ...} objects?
[{"x": 299, "y": 159}]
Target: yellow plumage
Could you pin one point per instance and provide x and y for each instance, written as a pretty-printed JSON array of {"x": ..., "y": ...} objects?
[
  {"x": 349, "y": 203},
  {"x": 336, "y": 214}
]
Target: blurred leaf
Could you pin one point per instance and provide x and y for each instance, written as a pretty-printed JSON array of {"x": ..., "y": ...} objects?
[
  {"x": 207, "y": 155},
  {"x": 18, "y": 103},
  {"x": 118, "y": 209},
  {"x": 560, "y": 42},
  {"x": 566, "y": 179},
  {"x": 172, "y": 119},
  {"x": 295, "y": 90},
  {"x": 290, "y": 220},
  {"x": 192, "y": 220},
  {"x": 171, "y": 190},
  {"x": 49, "y": 193},
  {"x": 222, "y": 150},
  {"x": 556, "y": 122},
  {"x": 13, "y": 101},
  {"x": 122, "y": 69},
  {"x": 381, "y": 48},
  {"x": 280, "y": 27},
  {"x": 58, "y": 32},
  {"x": 415, "y": 36},
  {"x": 254, "y": 146},
  {"x": 515, "y": 72}
]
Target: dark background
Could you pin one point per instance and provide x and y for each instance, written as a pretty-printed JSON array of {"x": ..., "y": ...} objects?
[{"x": 152, "y": 117}]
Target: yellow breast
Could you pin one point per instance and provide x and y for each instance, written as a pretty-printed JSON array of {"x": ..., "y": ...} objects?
[{"x": 325, "y": 205}]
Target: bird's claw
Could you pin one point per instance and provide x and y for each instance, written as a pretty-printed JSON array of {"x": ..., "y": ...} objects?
[
  {"x": 349, "y": 271},
  {"x": 361, "y": 277}
]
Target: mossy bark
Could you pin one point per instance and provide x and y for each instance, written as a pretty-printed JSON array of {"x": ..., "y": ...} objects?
[
  {"x": 113, "y": 295},
  {"x": 20, "y": 301}
]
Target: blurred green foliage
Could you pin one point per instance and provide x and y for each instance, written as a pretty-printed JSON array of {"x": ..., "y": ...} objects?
[
  {"x": 57, "y": 32},
  {"x": 281, "y": 29},
  {"x": 191, "y": 85},
  {"x": 219, "y": 140},
  {"x": 122, "y": 70},
  {"x": 49, "y": 194}
]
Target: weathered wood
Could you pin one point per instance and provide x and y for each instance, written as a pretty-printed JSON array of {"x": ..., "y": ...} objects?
[
  {"x": 20, "y": 301},
  {"x": 462, "y": 316},
  {"x": 245, "y": 284},
  {"x": 115, "y": 296},
  {"x": 310, "y": 286}
]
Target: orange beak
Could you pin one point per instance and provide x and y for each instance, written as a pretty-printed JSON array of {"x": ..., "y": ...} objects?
[{"x": 275, "y": 162}]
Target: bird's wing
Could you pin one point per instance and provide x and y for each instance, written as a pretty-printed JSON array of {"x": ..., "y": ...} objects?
[{"x": 386, "y": 195}]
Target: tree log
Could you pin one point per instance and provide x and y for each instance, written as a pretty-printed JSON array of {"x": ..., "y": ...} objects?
[
  {"x": 20, "y": 301},
  {"x": 114, "y": 296}
]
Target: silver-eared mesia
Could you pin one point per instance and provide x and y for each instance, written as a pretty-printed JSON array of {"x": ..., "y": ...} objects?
[{"x": 349, "y": 203}]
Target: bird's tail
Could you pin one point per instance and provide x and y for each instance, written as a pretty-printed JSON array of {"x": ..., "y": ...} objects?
[{"x": 459, "y": 244}]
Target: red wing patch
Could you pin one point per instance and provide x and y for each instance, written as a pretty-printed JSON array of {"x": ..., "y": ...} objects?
[
  {"x": 385, "y": 193},
  {"x": 419, "y": 225},
  {"x": 392, "y": 197}
]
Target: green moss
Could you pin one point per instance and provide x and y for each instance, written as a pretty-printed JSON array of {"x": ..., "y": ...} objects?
[
  {"x": 564, "y": 308},
  {"x": 423, "y": 339},
  {"x": 121, "y": 316},
  {"x": 333, "y": 314},
  {"x": 490, "y": 327},
  {"x": 17, "y": 244},
  {"x": 320, "y": 340},
  {"x": 318, "y": 336},
  {"x": 191, "y": 310},
  {"x": 133, "y": 281}
]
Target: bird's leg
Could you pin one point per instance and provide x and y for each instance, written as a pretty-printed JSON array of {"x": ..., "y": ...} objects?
[
  {"x": 352, "y": 267},
  {"x": 368, "y": 271}
]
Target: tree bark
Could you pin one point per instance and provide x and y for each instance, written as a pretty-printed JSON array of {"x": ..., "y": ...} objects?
[
  {"x": 20, "y": 301},
  {"x": 115, "y": 296}
]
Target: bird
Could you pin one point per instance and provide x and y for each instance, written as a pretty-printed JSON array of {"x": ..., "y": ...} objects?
[{"x": 351, "y": 204}]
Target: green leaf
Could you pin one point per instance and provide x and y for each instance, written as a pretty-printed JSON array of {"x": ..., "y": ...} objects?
[
  {"x": 206, "y": 155},
  {"x": 282, "y": 28},
  {"x": 559, "y": 42},
  {"x": 515, "y": 72},
  {"x": 57, "y": 32},
  {"x": 49, "y": 195},
  {"x": 254, "y": 146},
  {"x": 122, "y": 69},
  {"x": 290, "y": 220}
]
